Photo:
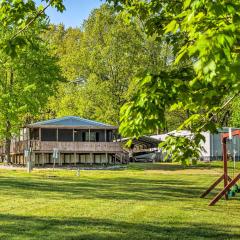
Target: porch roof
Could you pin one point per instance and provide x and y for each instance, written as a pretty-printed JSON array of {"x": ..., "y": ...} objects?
[{"x": 69, "y": 122}]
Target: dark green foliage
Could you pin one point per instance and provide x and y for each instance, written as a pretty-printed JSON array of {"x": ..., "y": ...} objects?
[
  {"x": 105, "y": 54},
  {"x": 204, "y": 32},
  {"x": 18, "y": 16}
]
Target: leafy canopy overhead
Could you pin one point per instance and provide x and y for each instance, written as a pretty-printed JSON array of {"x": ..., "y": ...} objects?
[
  {"x": 206, "y": 33},
  {"x": 27, "y": 72},
  {"x": 20, "y": 15},
  {"x": 26, "y": 81}
]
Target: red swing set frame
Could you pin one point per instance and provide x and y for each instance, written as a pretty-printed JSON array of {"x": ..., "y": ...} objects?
[{"x": 228, "y": 182}]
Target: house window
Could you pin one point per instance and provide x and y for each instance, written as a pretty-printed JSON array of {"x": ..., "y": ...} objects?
[{"x": 48, "y": 134}]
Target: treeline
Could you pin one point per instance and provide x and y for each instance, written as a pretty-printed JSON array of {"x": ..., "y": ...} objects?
[
  {"x": 99, "y": 62},
  {"x": 49, "y": 71},
  {"x": 88, "y": 71}
]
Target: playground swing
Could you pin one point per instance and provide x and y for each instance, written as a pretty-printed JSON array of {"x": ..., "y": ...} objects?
[
  {"x": 230, "y": 184},
  {"x": 234, "y": 189}
]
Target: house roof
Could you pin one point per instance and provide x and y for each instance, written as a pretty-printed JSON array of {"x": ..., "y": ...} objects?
[
  {"x": 182, "y": 133},
  {"x": 226, "y": 129},
  {"x": 70, "y": 121},
  {"x": 186, "y": 133}
]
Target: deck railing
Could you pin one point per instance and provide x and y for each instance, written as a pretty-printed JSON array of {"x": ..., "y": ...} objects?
[
  {"x": 47, "y": 146},
  {"x": 81, "y": 146}
]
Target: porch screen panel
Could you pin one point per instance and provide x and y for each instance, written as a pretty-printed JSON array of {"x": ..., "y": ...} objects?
[
  {"x": 48, "y": 134},
  {"x": 34, "y": 134},
  {"x": 109, "y": 136},
  {"x": 80, "y": 135},
  {"x": 100, "y": 136},
  {"x": 77, "y": 135},
  {"x": 91, "y": 137},
  {"x": 65, "y": 135}
]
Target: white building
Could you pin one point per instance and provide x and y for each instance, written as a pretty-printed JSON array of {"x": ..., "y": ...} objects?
[{"x": 212, "y": 147}]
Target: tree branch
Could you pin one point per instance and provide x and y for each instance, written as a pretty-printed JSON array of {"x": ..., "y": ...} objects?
[
  {"x": 224, "y": 105},
  {"x": 31, "y": 22}
]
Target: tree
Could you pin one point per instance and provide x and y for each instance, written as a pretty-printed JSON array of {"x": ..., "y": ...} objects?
[
  {"x": 207, "y": 34},
  {"x": 107, "y": 55},
  {"x": 22, "y": 15},
  {"x": 66, "y": 45},
  {"x": 26, "y": 81},
  {"x": 235, "y": 113},
  {"x": 18, "y": 17}
]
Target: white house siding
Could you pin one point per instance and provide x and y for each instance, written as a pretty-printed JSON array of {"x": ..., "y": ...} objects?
[
  {"x": 212, "y": 147},
  {"x": 206, "y": 146}
]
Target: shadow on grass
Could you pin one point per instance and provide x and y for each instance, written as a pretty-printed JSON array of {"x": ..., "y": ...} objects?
[
  {"x": 23, "y": 227},
  {"x": 119, "y": 188},
  {"x": 174, "y": 167}
]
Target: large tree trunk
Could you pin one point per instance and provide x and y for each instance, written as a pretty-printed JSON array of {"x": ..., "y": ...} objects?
[
  {"x": 7, "y": 150},
  {"x": 8, "y": 134},
  {"x": 8, "y": 142}
]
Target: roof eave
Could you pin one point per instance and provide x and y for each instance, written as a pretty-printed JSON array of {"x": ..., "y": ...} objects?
[{"x": 70, "y": 127}]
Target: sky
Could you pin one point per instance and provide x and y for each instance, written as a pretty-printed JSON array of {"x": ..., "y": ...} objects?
[{"x": 76, "y": 12}]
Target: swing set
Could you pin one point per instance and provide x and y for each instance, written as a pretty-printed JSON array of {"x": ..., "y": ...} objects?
[{"x": 230, "y": 185}]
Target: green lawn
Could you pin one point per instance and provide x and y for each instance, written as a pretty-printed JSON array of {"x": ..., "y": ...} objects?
[{"x": 145, "y": 201}]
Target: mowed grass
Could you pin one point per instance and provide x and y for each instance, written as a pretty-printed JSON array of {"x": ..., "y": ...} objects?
[{"x": 144, "y": 201}]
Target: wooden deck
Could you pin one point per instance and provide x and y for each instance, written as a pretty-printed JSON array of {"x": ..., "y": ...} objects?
[{"x": 40, "y": 146}]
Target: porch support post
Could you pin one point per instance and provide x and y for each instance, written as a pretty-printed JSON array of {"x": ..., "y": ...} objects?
[
  {"x": 57, "y": 134},
  {"x": 91, "y": 158},
  {"x": 43, "y": 160},
  {"x": 40, "y": 134},
  {"x": 38, "y": 159},
  {"x": 75, "y": 158},
  {"x": 59, "y": 158},
  {"x": 33, "y": 158},
  {"x": 106, "y": 154}
]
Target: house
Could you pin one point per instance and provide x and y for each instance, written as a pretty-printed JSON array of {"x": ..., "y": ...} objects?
[
  {"x": 70, "y": 140},
  {"x": 212, "y": 147}
]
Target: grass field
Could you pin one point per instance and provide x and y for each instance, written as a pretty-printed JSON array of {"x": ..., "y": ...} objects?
[{"x": 144, "y": 201}]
